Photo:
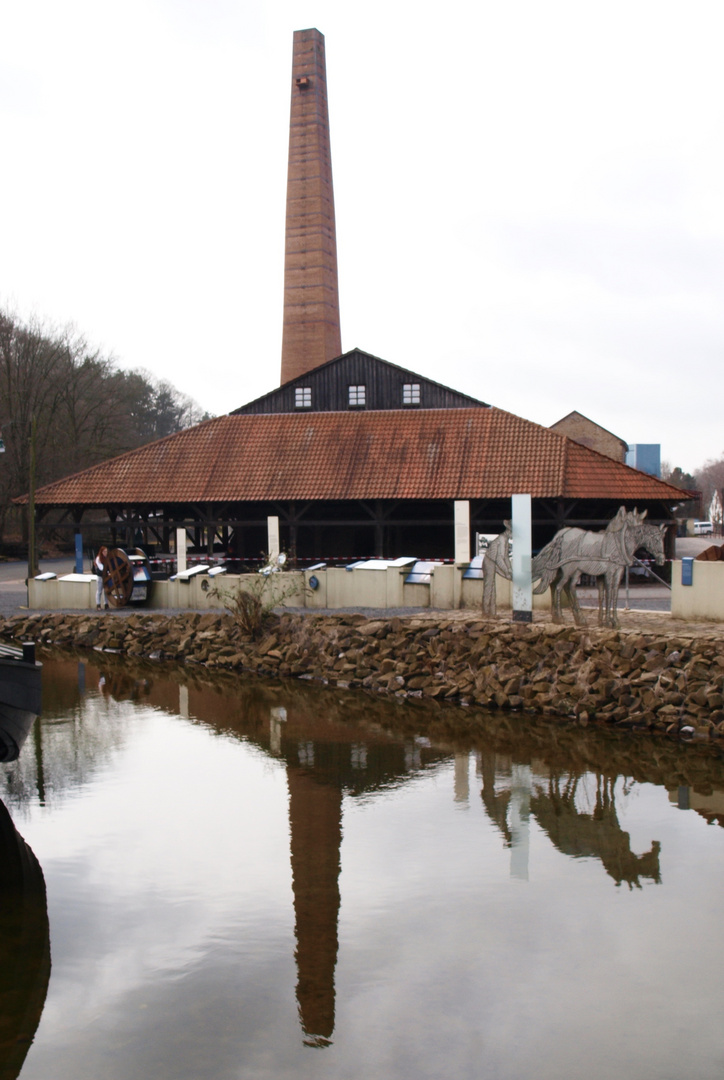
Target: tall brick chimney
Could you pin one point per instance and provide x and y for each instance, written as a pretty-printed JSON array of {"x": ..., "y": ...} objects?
[{"x": 311, "y": 294}]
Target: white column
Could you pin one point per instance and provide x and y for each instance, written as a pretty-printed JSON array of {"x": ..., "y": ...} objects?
[
  {"x": 462, "y": 531},
  {"x": 180, "y": 550},
  {"x": 462, "y": 547},
  {"x": 522, "y": 558},
  {"x": 272, "y": 530}
]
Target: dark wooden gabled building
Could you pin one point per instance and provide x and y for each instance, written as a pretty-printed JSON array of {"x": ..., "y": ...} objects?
[{"x": 356, "y": 381}]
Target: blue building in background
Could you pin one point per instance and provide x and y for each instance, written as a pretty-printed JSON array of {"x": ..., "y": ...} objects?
[{"x": 646, "y": 457}]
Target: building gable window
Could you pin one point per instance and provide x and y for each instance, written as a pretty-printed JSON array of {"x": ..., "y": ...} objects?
[
  {"x": 357, "y": 397},
  {"x": 303, "y": 397},
  {"x": 410, "y": 393}
]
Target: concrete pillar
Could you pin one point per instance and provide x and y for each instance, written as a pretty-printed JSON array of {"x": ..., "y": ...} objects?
[
  {"x": 272, "y": 530},
  {"x": 462, "y": 546},
  {"x": 462, "y": 531},
  {"x": 311, "y": 333},
  {"x": 180, "y": 550},
  {"x": 522, "y": 559}
]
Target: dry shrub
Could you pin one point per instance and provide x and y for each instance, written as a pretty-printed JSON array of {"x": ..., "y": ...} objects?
[{"x": 252, "y": 603}]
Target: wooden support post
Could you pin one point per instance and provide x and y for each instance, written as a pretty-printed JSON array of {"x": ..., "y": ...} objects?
[{"x": 32, "y": 550}]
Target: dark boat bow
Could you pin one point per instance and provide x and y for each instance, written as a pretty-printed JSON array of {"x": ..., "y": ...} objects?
[{"x": 20, "y": 697}]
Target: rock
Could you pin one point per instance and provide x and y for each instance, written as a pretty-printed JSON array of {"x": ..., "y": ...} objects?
[{"x": 633, "y": 680}]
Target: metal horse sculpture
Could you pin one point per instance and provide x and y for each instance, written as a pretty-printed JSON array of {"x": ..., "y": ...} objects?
[
  {"x": 572, "y": 552},
  {"x": 496, "y": 560},
  {"x": 603, "y": 555}
]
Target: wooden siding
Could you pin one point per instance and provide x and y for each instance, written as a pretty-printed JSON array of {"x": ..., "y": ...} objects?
[{"x": 329, "y": 385}]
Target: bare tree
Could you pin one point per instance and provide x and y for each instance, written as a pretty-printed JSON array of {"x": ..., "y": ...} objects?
[
  {"x": 85, "y": 409},
  {"x": 710, "y": 478},
  {"x": 31, "y": 363},
  {"x": 677, "y": 477}
]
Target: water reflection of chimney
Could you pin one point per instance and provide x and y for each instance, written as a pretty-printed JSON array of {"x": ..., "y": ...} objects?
[{"x": 315, "y": 818}]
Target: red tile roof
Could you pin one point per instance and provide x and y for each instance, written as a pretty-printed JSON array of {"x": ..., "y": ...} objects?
[{"x": 423, "y": 454}]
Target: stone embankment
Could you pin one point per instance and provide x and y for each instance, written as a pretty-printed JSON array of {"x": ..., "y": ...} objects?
[{"x": 666, "y": 682}]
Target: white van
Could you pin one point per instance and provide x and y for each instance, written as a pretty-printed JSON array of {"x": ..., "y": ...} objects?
[{"x": 703, "y": 528}]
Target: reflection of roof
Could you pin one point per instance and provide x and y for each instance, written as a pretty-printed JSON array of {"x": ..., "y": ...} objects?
[{"x": 427, "y": 454}]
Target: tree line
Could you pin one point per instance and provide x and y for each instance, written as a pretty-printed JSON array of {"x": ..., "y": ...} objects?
[
  {"x": 707, "y": 482},
  {"x": 81, "y": 406}
]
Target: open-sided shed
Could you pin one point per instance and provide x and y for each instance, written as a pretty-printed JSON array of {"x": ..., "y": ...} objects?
[{"x": 350, "y": 484}]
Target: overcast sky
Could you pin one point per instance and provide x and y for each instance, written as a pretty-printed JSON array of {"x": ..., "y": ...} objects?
[{"x": 528, "y": 194}]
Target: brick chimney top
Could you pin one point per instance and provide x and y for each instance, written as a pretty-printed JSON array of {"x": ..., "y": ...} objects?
[{"x": 311, "y": 334}]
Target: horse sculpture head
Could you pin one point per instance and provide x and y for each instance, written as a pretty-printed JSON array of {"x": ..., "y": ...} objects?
[
  {"x": 651, "y": 537},
  {"x": 625, "y": 519},
  {"x": 633, "y": 523}
]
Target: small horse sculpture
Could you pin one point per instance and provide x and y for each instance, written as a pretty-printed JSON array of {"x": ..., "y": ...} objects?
[
  {"x": 604, "y": 555},
  {"x": 496, "y": 560},
  {"x": 572, "y": 552}
]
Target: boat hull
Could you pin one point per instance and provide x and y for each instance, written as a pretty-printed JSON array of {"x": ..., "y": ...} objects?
[{"x": 20, "y": 703}]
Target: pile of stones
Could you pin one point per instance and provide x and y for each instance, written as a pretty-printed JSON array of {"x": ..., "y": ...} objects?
[{"x": 671, "y": 683}]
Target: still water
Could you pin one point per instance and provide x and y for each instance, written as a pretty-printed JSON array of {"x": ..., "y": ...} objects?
[{"x": 246, "y": 880}]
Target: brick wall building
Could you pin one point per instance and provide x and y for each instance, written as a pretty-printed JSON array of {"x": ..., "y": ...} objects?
[{"x": 578, "y": 427}]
